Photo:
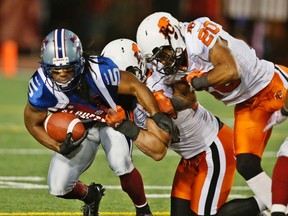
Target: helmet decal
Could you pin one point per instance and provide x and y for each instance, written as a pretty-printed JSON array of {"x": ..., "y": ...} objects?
[
  {"x": 135, "y": 48},
  {"x": 44, "y": 46},
  {"x": 167, "y": 29},
  {"x": 76, "y": 41},
  {"x": 137, "y": 54},
  {"x": 165, "y": 26}
]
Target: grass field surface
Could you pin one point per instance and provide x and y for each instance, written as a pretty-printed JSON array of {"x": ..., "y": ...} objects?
[{"x": 24, "y": 164}]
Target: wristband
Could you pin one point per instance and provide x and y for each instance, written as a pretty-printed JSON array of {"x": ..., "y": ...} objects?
[
  {"x": 129, "y": 129},
  {"x": 199, "y": 83},
  {"x": 284, "y": 111}
]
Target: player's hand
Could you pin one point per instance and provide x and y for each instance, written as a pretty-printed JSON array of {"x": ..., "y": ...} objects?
[
  {"x": 164, "y": 103},
  {"x": 115, "y": 117},
  {"x": 276, "y": 118},
  {"x": 193, "y": 74},
  {"x": 69, "y": 145},
  {"x": 128, "y": 128},
  {"x": 165, "y": 123}
]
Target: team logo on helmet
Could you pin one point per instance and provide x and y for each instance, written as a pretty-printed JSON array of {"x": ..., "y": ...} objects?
[
  {"x": 43, "y": 46},
  {"x": 137, "y": 53},
  {"x": 167, "y": 29},
  {"x": 75, "y": 40}
]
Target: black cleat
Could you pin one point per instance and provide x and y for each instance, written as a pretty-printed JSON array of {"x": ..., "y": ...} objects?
[
  {"x": 97, "y": 191},
  {"x": 143, "y": 214},
  {"x": 143, "y": 211}
]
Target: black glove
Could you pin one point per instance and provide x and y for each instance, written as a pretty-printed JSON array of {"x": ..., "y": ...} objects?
[
  {"x": 129, "y": 129},
  {"x": 165, "y": 122},
  {"x": 68, "y": 145}
]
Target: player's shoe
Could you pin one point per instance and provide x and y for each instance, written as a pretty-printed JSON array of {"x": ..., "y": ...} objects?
[
  {"x": 140, "y": 214},
  {"x": 143, "y": 211},
  {"x": 264, "y": 213},
  {"x": 92, "y": 209}
]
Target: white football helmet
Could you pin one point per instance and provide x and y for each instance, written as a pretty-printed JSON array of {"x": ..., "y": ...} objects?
[
  {"x": 127, "y": 56},
  {"x": 160, "y": 39},
  {"x": 62, "y": 48},
  {"x": 159, "y": 29}
]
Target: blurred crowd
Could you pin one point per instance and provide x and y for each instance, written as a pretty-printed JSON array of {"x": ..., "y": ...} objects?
[{"x": 261, "y": 23}]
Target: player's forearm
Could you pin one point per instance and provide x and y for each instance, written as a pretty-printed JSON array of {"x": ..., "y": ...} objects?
[
  {"x": 129, "y": 84},
  {"x": 33, "y": 120},
  {"x": 147, "y": 100},
  {"x": 153, "y": 142},
  {"x": 43, "y": 138},
  {"x": 151, "y": 145},
  {"x": 226, "y": 68},
  {"x": 222, "y": 74}
]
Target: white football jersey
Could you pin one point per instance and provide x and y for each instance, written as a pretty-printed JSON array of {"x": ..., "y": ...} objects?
[
  {"x": 201, "y": 35},
  {"x": 198, "y": 129}
]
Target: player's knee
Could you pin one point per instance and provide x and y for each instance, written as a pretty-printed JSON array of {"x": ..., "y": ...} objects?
[
  {"x": 121, "y": 167},
  {"x": 248, "y": 165},
  {"x": 57, "y": 191},
  {"x": 59, "y": 188}
]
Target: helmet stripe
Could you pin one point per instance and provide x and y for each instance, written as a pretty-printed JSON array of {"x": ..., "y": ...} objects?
[
  {"x": 63, "y": 44},
  {"x": 60, "y": 43}
]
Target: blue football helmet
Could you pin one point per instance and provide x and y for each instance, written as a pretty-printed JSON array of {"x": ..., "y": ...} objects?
[{"x": 62, "y": 49}]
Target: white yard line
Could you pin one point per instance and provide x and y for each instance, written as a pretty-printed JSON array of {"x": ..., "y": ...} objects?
[{"x": 21, "y": 182}]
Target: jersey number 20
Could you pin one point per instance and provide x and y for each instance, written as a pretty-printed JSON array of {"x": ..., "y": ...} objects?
[{"x": 206, "y": 34}]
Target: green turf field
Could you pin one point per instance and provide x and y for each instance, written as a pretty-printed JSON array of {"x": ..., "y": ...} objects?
[{"x": 24, "y": 164}]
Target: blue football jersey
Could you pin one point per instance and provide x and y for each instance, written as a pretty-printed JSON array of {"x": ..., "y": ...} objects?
[{"x": 102, "y": 77}]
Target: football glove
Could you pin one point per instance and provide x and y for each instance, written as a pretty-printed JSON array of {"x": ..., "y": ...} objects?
[
  {"x": 197, "y": 80},
  {"x": 114, "y": 118},
  {"x": 164, "y": 103},
  {"x": 69, "y": 145},
  {"x": 165, "y": 122},
  {"x": 128, "y": 128},
  {"x": 193, "y": 74},
  {"x": 276, "y": 118}
]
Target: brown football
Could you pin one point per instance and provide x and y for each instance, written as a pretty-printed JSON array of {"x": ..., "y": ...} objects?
[{"x": 57, "y": 125}]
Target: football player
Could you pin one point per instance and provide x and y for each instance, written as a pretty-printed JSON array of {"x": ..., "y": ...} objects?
[
  {"x": 204, "y": 176},
  {"x": 87, "y": 85},
  {"x": 280, "y": 172},
  {"x": 229, "y": 69}
]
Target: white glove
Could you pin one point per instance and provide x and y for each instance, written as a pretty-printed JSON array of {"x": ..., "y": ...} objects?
[{"x": 276, "y": 118}]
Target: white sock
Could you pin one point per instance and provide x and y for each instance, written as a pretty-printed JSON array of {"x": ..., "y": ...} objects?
[
  {"x": 140, "y": 206},
  {"x": 278, "y": 208},
  {"x": 261, "y": 205},
  {"x": 261, "y": 186}
]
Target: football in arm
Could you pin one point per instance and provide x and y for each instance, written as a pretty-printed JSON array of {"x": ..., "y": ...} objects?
[{"x": 57, "y": 125}]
